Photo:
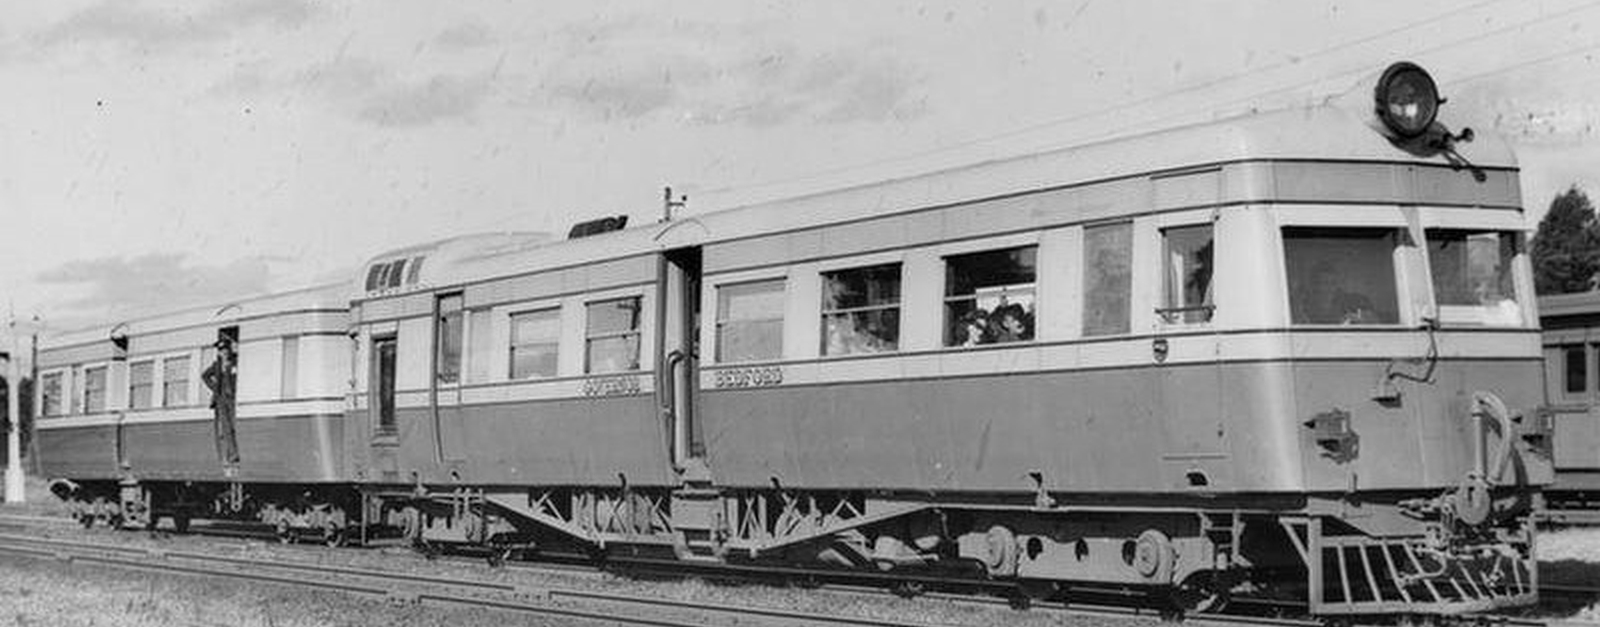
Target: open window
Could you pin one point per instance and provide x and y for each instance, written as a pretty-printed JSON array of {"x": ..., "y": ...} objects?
[
  {"x": 1341, "y": 276},
  {"x": 989, "y": 296},
  {"x": 861, "y": 310},
  {"x": 1473, "y": 282},
  {"x": 1186, "y": 274}
]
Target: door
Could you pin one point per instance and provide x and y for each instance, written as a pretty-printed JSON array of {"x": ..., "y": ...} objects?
[
  {"x": 449, "y": 338},
  {"x": 677, "y": 386}
]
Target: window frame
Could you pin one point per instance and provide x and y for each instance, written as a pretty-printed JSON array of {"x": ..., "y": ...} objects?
[
  {"x": 1130, "y": 233},
  {"x": 1399, "y": 267},
  {"x": 384, "y": 423},
  {"x": 1171, "y": 313},
  {"x": 898, "y": 306},
  {"x": 105, "y": 387},
  {"x": 149, "y": 385},
  {"x": 513, "y": 344},
  {"x": 1477, "y": 315},
  {"x": 187, "y": 379},
  {"x": 441, "y": 342},
  {"x": 947, "y": 339},
  {"x": 637, "y": 331},
  {"x": 719, "y": 321},
  {"x": 60, "y": 378}
]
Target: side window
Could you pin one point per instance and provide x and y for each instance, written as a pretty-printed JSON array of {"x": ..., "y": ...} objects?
[
  {"x": 141, "y": 384},
  {"x": 1341, "y": 275},
  {"x": 448, "y": 327},
  {"x": 1472, "y": 277},
  {"x": 989, "y": 296},
  {"x": 94, "y": 389},
  {"x": 383, "y": 358},
  {"x": 50, "y": 394},
  {"x": 535, "y": 343},
  {"x": 611, "y": 336},
  {"x": 750, "y": 321},
  {"x": 861, "y": 310},
  {"x": 1186, "y": 273},
  {"x": 1576, "y": 377},
  {"x": 480, "y": 344},
  {"x": 175, "y": 381},
  {"x": 1107, "y": 278}
]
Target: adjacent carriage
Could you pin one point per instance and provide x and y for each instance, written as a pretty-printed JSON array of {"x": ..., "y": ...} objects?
[{"x": 1290, "y": 353}]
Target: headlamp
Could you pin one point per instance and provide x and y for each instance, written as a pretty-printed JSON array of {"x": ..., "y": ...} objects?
[{"x": 1407, "y": 99}]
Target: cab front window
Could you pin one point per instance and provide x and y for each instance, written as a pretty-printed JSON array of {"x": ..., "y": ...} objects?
[
  {"x": 1473, "y": 281},
  {"x": 1341, "y": 276}
]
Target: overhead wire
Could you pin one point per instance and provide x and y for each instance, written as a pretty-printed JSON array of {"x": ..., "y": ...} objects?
[{"x": 1470, "y": 39}]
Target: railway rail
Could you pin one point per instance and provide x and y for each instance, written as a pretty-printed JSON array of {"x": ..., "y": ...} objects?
[{"x": 513, "y": 597}]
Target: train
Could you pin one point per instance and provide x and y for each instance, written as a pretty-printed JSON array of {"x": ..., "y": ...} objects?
[
  {"x": 1570, "y": 323},
  {"x": 1288, "y": 355}
]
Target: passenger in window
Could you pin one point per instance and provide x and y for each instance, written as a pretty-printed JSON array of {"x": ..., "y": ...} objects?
[
  {"x": 972, "y": 328},
  {"x": 1011, "y": 324}
]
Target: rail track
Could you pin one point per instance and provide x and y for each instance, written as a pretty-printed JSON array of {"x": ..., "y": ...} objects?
[{"x": 589, "y": 604}]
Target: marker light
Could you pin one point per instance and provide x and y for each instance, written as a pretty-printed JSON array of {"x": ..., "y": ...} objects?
[{"x": 1407, "y": 99}]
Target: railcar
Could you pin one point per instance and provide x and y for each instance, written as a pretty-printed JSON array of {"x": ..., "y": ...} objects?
[
  {"x": 228, "y": 411},
  {"x": 1292, "y": 354},
  {"x": 1571, "y": 331}
]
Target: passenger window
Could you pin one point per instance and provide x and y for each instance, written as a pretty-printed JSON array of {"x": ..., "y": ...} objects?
[
  {"x": 141, "y": 384},
  {"x": 1472, "y": 278},
  {"x": 611, "y": 342},
  {"x": 175, "y": 381},
  {"x": 449, "y": 327},
  {"x": 535, "y": 343},
  {"x": 94, "y": 389},
  {"x": 384, "y": 356},
  {"x": 861, "y": 310},
  {"x": 1186, "y": 275},
  {"x": 1577, "y": 369},
  {"x": 1341, "y": 275},
  {"x": 480, "y": 344},
  {"x": 1107, "y": 278},
  {"x": 50, "y": 394},
  {"x": 750, "y": 321},
  {"x": 989, "y": 296}
]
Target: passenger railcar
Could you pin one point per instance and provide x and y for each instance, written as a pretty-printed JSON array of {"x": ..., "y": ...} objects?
[
  {"x": 141, "y": 420},
  {"x": 1292, "y": 353},
  {"x": 1571, "y": 332}
]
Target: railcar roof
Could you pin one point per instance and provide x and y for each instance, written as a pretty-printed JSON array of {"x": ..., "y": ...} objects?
[
  {"x": 1562, "y": 305},
  {"x": 327, "y": 296},
  {"x": 1325, "y": 131}
]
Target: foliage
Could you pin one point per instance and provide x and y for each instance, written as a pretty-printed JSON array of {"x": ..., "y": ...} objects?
[{"x": 1566, "y": 250}]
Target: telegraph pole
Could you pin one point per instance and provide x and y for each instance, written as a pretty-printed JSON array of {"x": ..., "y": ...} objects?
[{"x": 14, "y": 482}]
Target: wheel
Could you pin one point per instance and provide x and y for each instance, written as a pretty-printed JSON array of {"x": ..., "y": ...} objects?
[{"x": 332, "y": 537}]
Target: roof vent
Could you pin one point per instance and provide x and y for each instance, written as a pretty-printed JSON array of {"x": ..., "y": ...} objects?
[{"x": 597, "y": 226}]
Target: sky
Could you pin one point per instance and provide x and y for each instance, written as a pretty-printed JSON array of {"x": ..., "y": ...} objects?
[{"x": 158, "y": 154}]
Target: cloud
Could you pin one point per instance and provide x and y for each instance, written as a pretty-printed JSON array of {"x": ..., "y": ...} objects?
[
  {"x": 465, "y": 36},
  {"x": 131, "y": 24},
  {"x": 440, "y": 97},
  {"x": 625, "y": 70},
  {"x": 111, "y": 287}
]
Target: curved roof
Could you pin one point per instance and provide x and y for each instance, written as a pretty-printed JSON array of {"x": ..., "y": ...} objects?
[
  {"x": 1336, "y": 129},
  {"x": 331, "y": 296}
]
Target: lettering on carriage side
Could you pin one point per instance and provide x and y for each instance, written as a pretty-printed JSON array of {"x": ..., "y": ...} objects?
[
  {"x": 611, "y": 386},
  {"x": 748, "y": 377}
]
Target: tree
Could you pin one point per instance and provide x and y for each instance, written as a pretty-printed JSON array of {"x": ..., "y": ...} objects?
[{"x": 1566, "y": 250}]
